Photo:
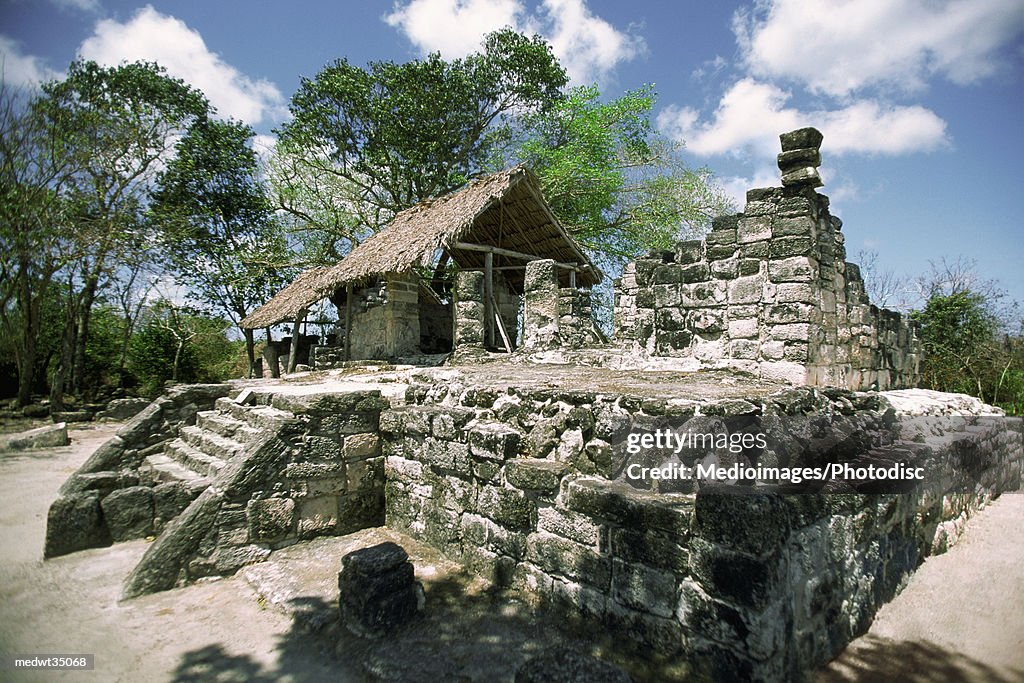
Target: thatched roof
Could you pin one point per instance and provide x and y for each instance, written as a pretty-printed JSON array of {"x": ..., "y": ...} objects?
[{"x": 504, "y": 210}]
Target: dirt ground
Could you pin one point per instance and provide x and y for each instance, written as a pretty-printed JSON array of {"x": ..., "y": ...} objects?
[{"x": 961, "y": 618}]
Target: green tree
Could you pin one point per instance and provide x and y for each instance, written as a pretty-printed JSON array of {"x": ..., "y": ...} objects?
[
  {"x": 115, "y": 124},
  {"x": 395, "y": 134},
  {"x": 617, "y": 185},
  {"x": 217, "y": 224},
  {"x": 36, "y": 233}
]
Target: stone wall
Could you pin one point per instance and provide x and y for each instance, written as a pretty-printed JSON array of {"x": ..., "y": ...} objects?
[
  {"x": 527, "y": 488},
  {"x": 769, "y": 291},
  {"x": 470, "y": 311},
  {"x": 386, "y": 325},
  {"x": 554, "y": 316}
]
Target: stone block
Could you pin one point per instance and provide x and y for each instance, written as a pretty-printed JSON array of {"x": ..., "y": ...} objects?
[
  {"x": 793, "y": 269},
  {"x": 508, "y": 507},
  {"x": 629, "y": 507},
  {"x": 749, "y": 266},
  {"x": 50, "y": 436},
  {"x": 377, "y": 590},
  {"x": 364, "y": 474},
  {"x": 320, "y": 448},
  {"x": 754, "y": 250},
  {"x": 777, "y": 314},
  {"x": 803, "y": 138},
  {"x": 785, "y": 371},
  {"x": 726, "y": 269},
  {"x": 753, "y": 229},
  {"x": 360, "y": 446},
  {"x": 786, "y": 247},
  {"x": 670, "y": 319},
  {"x": 800, "y": 157},
  {"x": 717, "y": 252},
  {"x": 270, "y": 519},
  {"x": 494, "y": 441},
  {"x": 469, "y": 285},
  {"x": 561, "y": 557},
  {"x": 74, "y": 522},
  {"x": 707, "y": 320},
  {"x": 803, "y": 175},
  {"x": 169, "y": 500},
  {"x": 534, "y": 474},
  {"x": 666, "y": 296},
  {"x": 644, "y": 588},
  {"x": 697, "y": 272},
  {"x": 744, "y": 349},
  {"x": 794, "y": 226},
  {"x": 654, "y": 548},
  {"x": 360, "y": 510},
  {"x": 128, "y": 513},
  {"x": 702, "y": 295},
  {"x": 743, "y": 329},
  {"x": 746, "y": 290},
  {"x": 750, "y": 522},
  {"x": 571, "y": 525}
]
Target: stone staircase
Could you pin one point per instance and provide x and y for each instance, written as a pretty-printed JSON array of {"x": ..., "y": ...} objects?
[{"x": 201, "y": 450}]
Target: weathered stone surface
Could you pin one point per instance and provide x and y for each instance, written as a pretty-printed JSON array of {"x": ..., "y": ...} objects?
[
  {"x": 75, "y": 523},
  {"x": 49, "y": 436},
  {"x": 535, "y": 474},
  {"x": 128, "y": 513},
  {"x": 169, "y": 500},
  {"x": 122, "y": 409},
  {"x": 493, "y": 441},
  {"x": 377, "y": 590},
  {"x": 271, "y": 519},
  {"x": 562, "y": 665},
  {"x": 71, "y": 416},
  {"x": 750, "y": 522},
  {"x": 802, "y": 138}
]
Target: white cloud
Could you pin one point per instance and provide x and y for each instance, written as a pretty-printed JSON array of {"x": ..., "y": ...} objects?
[
  {"x": 587, "y": 46},
  {"x": 168, "y": 41},
  {"x": 736, "y": 186},
  {"x": 21, "y": 70},
  {"x": 751, "y": 115},
  {"x": 839, "y": 47},
  {"x": 453, "y": 27},
  {"x": 81, "y": 5}
]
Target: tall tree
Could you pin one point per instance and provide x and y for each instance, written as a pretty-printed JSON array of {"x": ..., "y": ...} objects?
[
  {"x": 36, "y": 238},
  {"x": 396, "y": 134},
  {"x": 617, "y": 185},
  {"x": 220, "y": 233},
  {"x": 117, "y": 124}
]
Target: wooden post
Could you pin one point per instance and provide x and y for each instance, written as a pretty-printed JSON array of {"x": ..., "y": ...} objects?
[
  {"x": 572, "y": 278},
  {"x": 348, "y": 322},
  {"x": 293, "y": 353},
  {"x": 489, "y": 307}
]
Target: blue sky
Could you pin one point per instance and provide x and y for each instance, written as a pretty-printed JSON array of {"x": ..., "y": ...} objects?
[{"x": 921, "y": 101}]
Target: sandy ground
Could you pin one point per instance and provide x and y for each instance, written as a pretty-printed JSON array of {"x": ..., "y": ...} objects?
[{"x": 960, "y": 619}]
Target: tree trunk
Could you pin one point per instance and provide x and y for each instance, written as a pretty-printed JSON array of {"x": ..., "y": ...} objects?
[
  {"x": 84, "y": 317},
  {"x": 67, "y": 350},
  {"x": 250, "y": 351}
]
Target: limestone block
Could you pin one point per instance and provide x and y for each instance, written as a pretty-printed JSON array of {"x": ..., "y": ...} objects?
[
  {"x": 668, "y": 274},
  {"x": 744, "y": 349},
  {"x": 469, "y": 286},
  {"x": 746, "y": 290},
  {"x": 666, "y": 296},
  {"x": 785, "y": 371},
  {"x": 707, "y": 320},
  {"x": 508, "y": 507},
  {"x": 809, "y": 156},
  {"x": 726, "y": 269},
  {"x": 776, "y": 314},
  {"x": 364, "y": 474},
  {"x": 743, "y": 329},
  {"x": 773, "y": 350},
  {"x": 128, "y": 513},
  {"x": 803, "y": 175},
  {"x": 670, "y": 319},
  {"x": 49, "y": 436},
  {"x": 753, "y": 229},
  {"x": 802, "y": 138},
  {"x": 702, "y": 295},
  {"x": 749, "y": 266},
  {"x": 271, "y": 519},
  {"x": 571, "y": 525},
  {"x": 74, "y": 523},
  {"x": 644, "y": 588},
  {"x": 786, "y": 247},
  {"x": 359, "y": 446},
  {"x": 709, "y": 349},
  {"x": 493, "y": 441},
  {"x": 697, "y": 272},
  {"x": 377, "y": 590},
  {"x": 320, "y": 448},
  {"x": 561, "y": 557},
  {"x": 360, "y": 510},
  {"x": 793, "y": 269},
  {"x": 796, "y": 292}
]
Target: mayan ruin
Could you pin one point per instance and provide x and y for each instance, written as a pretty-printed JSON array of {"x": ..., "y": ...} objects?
[{"x": 511, "y": 341}]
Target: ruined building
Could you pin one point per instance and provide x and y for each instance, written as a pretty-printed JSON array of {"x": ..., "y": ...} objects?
[{"x": 524, "y": 472}]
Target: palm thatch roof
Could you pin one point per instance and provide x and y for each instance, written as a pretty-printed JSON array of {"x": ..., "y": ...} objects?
[{"x": 505, "y": 211}]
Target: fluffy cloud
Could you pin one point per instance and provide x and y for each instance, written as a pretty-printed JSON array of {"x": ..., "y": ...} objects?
[
  {"x": 751, "y": 115},
  {"x": 152, "y": 36},
  {"x": 839, "y": 47},
  {"x": 587, "y": 46},
  {"x": 21, "y": 70}
]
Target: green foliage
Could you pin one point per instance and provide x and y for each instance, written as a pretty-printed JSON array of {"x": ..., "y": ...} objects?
[
  {"x": 617, "y": 185},
  {"x": 103, "y": 349},
  {"x": 182, "y": 345},
  {"x": 396, "y": 134},
  {"x": 965, "y": 352}
]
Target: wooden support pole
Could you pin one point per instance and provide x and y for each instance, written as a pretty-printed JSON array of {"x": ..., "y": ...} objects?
[
  {"x": 293, "y": 353},
  {"x": 572, "y": 278},
  {"x": 501, "y": 328},
  {"x": 489, "y": 307},
  {"x": 348, "y": 322}
]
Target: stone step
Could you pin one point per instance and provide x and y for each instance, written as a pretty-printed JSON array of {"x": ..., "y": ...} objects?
[
  {"x": 161, "y": 468},
  {"x": 226, "y": 425},
  {"x": 210, "y": 443},
  {"x": 189, "y": 456},
  {"x": 258, "y": 416}
]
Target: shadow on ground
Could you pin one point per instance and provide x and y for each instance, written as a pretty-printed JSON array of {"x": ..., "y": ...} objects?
[
  {"x": 882, "y": 660},
  {"x": 463, "y": 635}
]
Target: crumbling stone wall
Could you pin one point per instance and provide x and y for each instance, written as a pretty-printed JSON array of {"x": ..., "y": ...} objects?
[
  {"x": 555, "y": 316},
  {"x": 388, "y": 324},
  {"x": 470, "y": 311},
  {"x": 526, "y": 487},
  {"x": 769, "y": 291}
]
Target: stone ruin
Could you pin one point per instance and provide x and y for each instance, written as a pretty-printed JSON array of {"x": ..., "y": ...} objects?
[
  {"x": 521, "y": 472},
  {"x": 769, "y": 292}
]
